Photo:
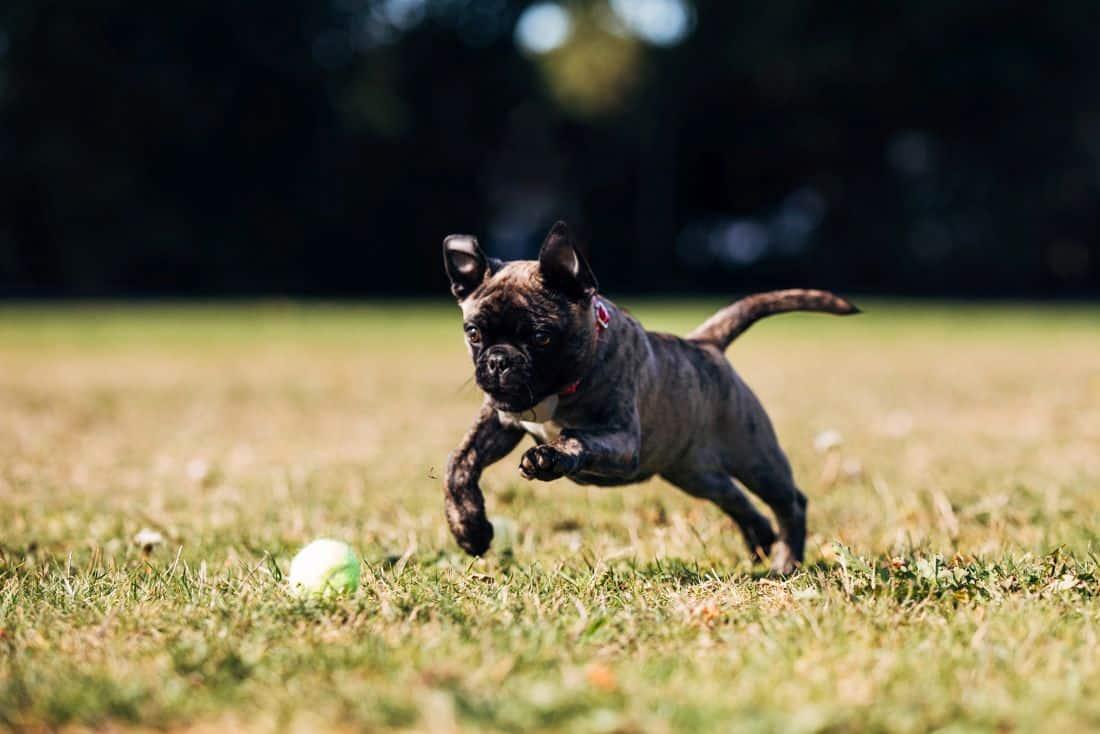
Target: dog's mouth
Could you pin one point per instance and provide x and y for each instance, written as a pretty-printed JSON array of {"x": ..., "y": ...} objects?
[
  {"x": 511, "y": 391},
  {"x": 512, "y": 402},
  {"x": 511, "y": 397}
]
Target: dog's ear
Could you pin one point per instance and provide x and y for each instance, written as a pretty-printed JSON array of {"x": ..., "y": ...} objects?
[
  {"x": 466, "y": 264},
  {"x": 563, "y": 267}
]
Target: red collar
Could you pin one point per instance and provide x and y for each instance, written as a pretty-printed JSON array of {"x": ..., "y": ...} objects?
[{"x": 603, "y": 320}]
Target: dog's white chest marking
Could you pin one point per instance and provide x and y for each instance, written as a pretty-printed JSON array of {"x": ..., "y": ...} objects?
[{"x": 538, "y": 421}]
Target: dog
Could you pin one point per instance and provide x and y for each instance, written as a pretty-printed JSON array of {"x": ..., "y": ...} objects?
[{"x": 609, "y": 403}]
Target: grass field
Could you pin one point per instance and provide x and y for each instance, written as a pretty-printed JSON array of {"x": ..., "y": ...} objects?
[{"x": 952, "y": 581}]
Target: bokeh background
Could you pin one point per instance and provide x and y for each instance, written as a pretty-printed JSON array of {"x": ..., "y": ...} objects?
[{"x": 306, "y": 147}]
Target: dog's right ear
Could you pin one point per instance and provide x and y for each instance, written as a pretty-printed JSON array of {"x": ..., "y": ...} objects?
[{"x": 466, "y": 264}]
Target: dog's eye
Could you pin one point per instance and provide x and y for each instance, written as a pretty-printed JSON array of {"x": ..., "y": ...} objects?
[
  {"x": 473, "y": 335},
  {"x": 541, "y": 338}
]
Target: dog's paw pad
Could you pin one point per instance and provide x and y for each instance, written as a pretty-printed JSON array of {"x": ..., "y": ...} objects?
[{"x": 543, "y": 462}]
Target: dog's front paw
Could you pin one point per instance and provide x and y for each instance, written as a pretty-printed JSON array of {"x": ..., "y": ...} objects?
[
  {"x": 473, "y": 535},
  {"x": 546, "y": 463},
  {"x": 471, "y": 529}
]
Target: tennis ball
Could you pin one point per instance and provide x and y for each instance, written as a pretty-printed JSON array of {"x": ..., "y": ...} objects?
[{"x": 324, "y": 567}]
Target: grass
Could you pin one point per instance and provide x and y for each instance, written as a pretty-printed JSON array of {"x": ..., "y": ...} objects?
[{"x": 953, "y": 578}]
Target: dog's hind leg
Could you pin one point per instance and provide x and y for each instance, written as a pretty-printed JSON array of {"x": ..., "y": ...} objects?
[
  {"x": 724, "y": 492},
  {"x": 769, "y": 477},
  {"x": 753, "y": 456}
]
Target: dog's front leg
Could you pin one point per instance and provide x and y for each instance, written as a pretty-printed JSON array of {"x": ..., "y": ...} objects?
[
  {"x": 610, "y": 452},
  {"x": 486, "y": 442}
]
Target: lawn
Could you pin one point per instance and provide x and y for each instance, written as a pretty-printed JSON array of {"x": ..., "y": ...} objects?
[{"x": 952, "y": 580}]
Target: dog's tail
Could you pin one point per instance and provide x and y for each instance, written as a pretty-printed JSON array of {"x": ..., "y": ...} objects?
[{"x": 733, "y": 320}]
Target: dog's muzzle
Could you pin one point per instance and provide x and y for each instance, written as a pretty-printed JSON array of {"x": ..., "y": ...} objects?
[{"x": 504, "y": 373}]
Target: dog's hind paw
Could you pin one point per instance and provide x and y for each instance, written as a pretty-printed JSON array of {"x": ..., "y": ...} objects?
[{"x": 784, "y": 562}]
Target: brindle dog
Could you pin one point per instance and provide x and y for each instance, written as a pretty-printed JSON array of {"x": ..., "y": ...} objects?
[{"x": 610, "y": 403}]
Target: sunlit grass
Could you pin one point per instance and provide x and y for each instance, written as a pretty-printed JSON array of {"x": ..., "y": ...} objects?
[{"x": 952, "y": 577}]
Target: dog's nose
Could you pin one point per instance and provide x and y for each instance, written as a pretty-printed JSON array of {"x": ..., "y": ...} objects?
[{"x": 497, "y": 364}]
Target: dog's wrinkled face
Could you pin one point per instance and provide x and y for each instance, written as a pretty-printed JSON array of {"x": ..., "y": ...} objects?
[{"x": 528, "y": 324}]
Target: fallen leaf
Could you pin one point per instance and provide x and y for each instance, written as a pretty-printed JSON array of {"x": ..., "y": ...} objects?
[{"x": 601, "y": 677}]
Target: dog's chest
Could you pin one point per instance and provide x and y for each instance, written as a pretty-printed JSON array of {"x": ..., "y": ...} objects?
[{"x": 538, "y": 421}]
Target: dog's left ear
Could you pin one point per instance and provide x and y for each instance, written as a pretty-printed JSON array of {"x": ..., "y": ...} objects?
[
  {"x": 563, "y": 267},
  {"x": 466, "y": 264}
]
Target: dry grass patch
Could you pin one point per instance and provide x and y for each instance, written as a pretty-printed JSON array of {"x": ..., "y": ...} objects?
[{"x": 952, "y": 581}]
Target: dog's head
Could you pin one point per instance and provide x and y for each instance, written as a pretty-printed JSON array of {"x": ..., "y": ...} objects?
[{"x": 529, "y": 324}]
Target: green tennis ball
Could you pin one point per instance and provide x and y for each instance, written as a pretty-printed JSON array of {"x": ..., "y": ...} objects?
[{"x": 324, "y": 567}]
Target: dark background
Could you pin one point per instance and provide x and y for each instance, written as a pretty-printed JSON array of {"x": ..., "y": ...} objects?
[{"x": 310, "y": 147}]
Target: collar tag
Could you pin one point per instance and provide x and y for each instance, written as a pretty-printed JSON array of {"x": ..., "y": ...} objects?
[{"x": 603, "y": 314}]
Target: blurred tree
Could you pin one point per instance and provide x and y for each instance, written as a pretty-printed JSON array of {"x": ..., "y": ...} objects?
[{"x": 326, "y": 148}]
